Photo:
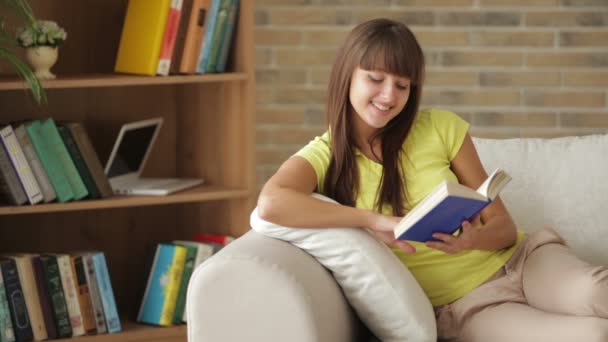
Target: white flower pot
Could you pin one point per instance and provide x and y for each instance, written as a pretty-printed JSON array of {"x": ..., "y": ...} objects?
[{"x": 42, "y": 58}]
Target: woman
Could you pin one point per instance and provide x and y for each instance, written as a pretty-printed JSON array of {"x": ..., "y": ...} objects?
[{"x": 382, "y": 155}]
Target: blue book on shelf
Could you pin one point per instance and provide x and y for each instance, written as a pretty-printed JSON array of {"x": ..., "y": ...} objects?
[
  {"x": 447, "y": 206},
  {"x": 203, "y": 56},
  {"x": 227, "y": 38},
  {"x": 105, "y": 290}
]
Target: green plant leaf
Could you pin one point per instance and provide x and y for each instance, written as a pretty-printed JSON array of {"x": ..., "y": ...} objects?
[{"x": 26, "y": 74}]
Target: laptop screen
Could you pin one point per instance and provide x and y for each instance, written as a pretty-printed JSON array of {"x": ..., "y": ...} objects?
[{"x": 132, "y": 150}]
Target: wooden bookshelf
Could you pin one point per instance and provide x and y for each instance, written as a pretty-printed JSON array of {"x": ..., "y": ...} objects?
[{"x": 208, "y": 132}]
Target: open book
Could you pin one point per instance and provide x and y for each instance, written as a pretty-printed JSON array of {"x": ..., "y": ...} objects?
[{"x": 444, "y": 209}]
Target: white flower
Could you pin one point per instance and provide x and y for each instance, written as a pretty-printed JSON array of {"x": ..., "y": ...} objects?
[{"x": 41, "y": 33}]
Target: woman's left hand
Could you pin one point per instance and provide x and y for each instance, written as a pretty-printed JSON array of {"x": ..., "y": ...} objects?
[{"x": 454, "y": 244}]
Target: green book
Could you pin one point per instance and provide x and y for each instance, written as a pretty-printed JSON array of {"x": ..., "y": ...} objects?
[
  {"x": 55, "y": 286},
  {"x": 180, "y": 305},
  {"x": 51, "y": 135},
  {"x": 50, "y": 162},
  {"x": 7, "y": 334},
  {"x": 218, "y": 35},
  {"x": 79, "y": 162}
]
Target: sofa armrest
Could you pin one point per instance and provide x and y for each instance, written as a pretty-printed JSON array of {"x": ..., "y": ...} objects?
[{"x": 261, "y": 289}]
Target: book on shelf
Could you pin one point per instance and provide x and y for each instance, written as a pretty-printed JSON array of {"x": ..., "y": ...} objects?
[
  {"x": 447, "y": 206},
  {"x": 83, "y": 295},
  {"x": 203, "y": 252},
  {"x": 11, "y": 191},
  {"x": 20, "y": 164},
  {"x": 7, "y": 333},
  {"x": 169, "y": 37},
  {"x": 78, "y": 160},
  {"x": 25, "y": 269},
  {"x": 105, "y": 292},
  {"x": 189, "y": 264},
  {"x": 221, "y": 23},
  {"x": 90, "y": 157},
  {"x": 50, "y": 162},
  {"x": 214, "y": 238},
  {"x": 162, "y": 287},
  {"x": 141, "y": 37},
  {"x": 49, "y": 131},
  {"x": 71, "y": 295},
  {"x": 58, "y": 303},
  {"x": 227, "y": 39},
  {"x": 210, "y": 26},
  {"x": 48, "y": 193},
  {"x": 189, "y": 36},
  {"x": 44, "y": 297},
  {"x": 94, "y": 291},
  {"x": 16, "y": 301}
]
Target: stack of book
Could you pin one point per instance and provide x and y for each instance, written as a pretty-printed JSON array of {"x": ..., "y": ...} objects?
[
  {"x": 47, "y": 296},
  {"x": 171, "y": 266},
  {"x": 41, "y": 161},
  {"x": 160, "y": 37}
]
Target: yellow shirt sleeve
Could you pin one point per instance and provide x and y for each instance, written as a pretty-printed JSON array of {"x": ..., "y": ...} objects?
[
  {"x": 451, "y": 128},
  {"x": 318, "y": 154}
]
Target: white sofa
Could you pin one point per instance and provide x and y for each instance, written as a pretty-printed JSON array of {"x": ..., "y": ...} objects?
[{"x": 262, "y": 289}]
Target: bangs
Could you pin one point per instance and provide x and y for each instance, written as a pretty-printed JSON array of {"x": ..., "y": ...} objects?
[{"x": 384, "y": 54}]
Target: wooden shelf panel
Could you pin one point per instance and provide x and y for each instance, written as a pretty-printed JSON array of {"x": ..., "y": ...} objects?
[
  {"x": 196, "y": 194},
  {"x": 119, "y": 80},
  {"x": 134, "y": 332}
]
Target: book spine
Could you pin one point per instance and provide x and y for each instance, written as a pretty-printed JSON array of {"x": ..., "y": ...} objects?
[
  {"x": 194, "y": 36},
  {"x": 107, "y": 294},
  {"x": 218, "y": 35},
  {"x": 58, "y": 303},
  {"x": 221, "y": 239},
  {"x": 204, "y": 251},
  {"x": 81, "y": 138},
  {"x": 71, "y": 298},
  {"x": 32, "y": 299},
  {"x": 100, "y": 320},
  {"x": 10, "y": 189},
  {"x": 43, "y": 296},
  {"x": 49, "y": 130},
  {"x": 6, "y": 326},
  {"x": 153, "y": 296},
  {"x": 48, "y": 193},
  {"x": 227, "y": 42},
  {"x": 175, "y": 275},
  {"x": 84, "y": 296},
  {"x": 180, "y": 304},
  {"x": 168, "y": 45},
  {"x": 180, "y": 38},
  {"x": 50, "y": 162},
  {"x": 81, "y": 166},
  {"x": 22, "y": 168},
  {"x": 16, "y": 301},
  {"x": 203, "y": 57}
]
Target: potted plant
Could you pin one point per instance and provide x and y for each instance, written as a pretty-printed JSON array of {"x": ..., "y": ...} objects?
[
  {"x": 41, "y": 39},
  {"x": 23, "y": 11}
]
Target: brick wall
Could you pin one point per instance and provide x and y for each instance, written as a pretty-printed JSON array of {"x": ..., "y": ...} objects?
[{"x": 510, "y": 67}]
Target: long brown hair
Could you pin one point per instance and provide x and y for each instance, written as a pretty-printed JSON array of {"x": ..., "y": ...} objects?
[{"x": 389, "y": 46}]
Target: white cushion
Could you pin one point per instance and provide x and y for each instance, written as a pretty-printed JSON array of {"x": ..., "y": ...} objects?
[
  {"x": 379, "y": 287},
  {"x": 561, "y": 182}
]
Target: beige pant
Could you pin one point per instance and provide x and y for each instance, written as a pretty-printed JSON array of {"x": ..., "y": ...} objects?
[{"x": 543, "y": 293}]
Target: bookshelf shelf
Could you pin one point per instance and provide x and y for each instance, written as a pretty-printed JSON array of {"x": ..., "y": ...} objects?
[
  {"x": 198, "y": 194},
  {"x": 134, "y": 332},
  {"x": 208, "y": 132},
  {"x": 118, "y": 80}
]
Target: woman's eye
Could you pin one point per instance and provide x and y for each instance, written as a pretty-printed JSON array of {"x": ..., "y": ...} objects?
[
  {"x": 374, "y": 79},
  {"x": 402, "y": 87}
]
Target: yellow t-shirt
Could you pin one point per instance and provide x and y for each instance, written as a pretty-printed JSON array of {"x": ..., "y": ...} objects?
[{"x": 434, "y": 140}]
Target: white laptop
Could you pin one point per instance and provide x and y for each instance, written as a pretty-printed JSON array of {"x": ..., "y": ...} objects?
[{"x": 128, "y": 158}]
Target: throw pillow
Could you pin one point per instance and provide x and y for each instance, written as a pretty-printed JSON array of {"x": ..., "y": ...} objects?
[{"x": 379, "y": 287}]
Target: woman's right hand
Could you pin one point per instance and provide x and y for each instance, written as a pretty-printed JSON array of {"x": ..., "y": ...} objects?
[{"x": 383, "y": 226}]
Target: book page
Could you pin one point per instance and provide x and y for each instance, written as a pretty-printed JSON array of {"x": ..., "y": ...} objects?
[{"x": 494, "y": 184}]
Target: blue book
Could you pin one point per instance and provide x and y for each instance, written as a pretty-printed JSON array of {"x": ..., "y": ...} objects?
[
  {"x": 106, "y": 293},
  {"x": 210, "y": 25},
  {"x": 227, "y": 39},
  {"x": 162, "y": 288},
  {"x": 444, "y": 209}
]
